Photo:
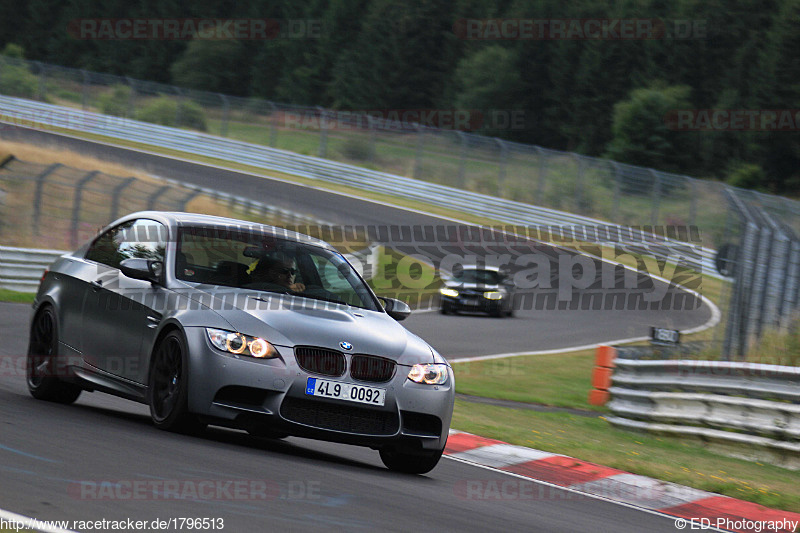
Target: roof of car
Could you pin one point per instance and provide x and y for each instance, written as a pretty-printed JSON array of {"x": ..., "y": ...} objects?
[{"x": 188, "y": 219}]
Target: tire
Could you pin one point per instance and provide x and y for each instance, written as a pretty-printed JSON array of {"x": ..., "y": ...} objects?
[
  {"x": 409, "y": 463},
  {"x": 41, "y": 365},
  {"x": 168, "y": 386}
]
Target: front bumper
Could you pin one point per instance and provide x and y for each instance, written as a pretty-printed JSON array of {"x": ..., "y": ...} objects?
[
  {"x": 270, "y": 394},
  {"x": 471, "y": 303}
]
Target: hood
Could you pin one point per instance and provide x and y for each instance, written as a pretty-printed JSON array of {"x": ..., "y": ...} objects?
[{"x": 290, "y": 321}]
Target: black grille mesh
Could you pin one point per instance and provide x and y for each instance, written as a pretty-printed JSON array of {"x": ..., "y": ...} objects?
[
  {"x": 346, "y": 418},
  {"x": 320, "y": 360},
  {"x": 371, "y": 368}
]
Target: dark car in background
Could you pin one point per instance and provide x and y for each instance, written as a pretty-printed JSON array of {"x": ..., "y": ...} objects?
[
  {"x": 165, "y": 309},
  {"x": 483, "y": 289}
]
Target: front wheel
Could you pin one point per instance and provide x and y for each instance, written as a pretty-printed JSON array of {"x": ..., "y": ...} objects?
[
  {"x": 410, "y": 463},
  {"x": 41, "y": 366},
  {"x": 168, "y": 386}
]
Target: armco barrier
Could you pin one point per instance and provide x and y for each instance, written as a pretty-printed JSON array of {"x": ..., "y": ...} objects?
[
  {"x": 753, "y": 404},
  {"x": 22, "y": 268},
  {"x": 259, "y": 156}
]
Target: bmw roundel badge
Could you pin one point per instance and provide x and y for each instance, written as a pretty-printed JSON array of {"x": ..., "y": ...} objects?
[{"x": 346, "y": 345}]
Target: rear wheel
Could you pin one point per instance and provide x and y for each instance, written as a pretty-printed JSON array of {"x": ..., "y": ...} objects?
[
  {"x": 410, "y": 463},
  {"x": 41, "y": 366},
  {"x": 168, "y": 386}
]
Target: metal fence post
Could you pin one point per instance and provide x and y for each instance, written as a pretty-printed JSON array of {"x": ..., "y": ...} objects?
[
  {"x": 579, "y": 184},
  {"x": 178, "y": 110},
  {"x": 323, "y": 132},
  {"x": 656, "y": 198},
  {"x": 41, "y": 91},
  {"x": 76, "y": 206},
  {"x": 151, "y": 200},
  {"x": 617, "y": 191},
  {"x": 84, "y": 89},
  {"x": 226, "y": 108},
  {"x": 115, "y": 195},
  {"x": 373, "y": 138},
  {"x": 692, "y": 185},
  {"x": 418, "y": 156},
  {"x": 502, "y": 162},
  {"x": 272, "y": 128},
  {"x": 189, "y": 197},
  {"x": 37, "y": 199},
  {"x": 131, "y": 98},
  {"x": 542, "y": 173},
  {"x": 462, "y": 160}
]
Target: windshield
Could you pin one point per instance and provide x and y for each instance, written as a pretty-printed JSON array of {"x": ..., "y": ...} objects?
[
  {"x": 484, "y": 277},
  {"x": 233, "y": 257}
]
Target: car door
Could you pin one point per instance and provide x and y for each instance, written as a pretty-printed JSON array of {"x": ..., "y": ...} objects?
[{"x": 118, "y": 311}]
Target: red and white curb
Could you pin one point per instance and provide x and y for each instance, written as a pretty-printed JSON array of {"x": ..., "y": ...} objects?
[{"x": 609, "y": 483}]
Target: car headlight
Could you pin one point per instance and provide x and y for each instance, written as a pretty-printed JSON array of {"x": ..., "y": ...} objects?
[
  {"x": 239, "y": 344},
  {"x": 435, "y": 374},
  {"x": 493, "y": 295},
  {"x": 452, "y": 293}
]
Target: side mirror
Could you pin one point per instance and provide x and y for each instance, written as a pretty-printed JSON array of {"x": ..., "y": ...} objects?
[
  {"x": 396, "y": 309},
  {"x": 144, "y": 269}
]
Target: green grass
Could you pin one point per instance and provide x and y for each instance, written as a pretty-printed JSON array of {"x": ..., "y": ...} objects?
[
  {"x": 7, "y": 295},
  {"x": 678, "y": 460},
  {"x": 562, "y": 380}
]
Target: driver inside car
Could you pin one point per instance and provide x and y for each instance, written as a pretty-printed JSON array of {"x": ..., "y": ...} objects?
[{"x": 275, "y": 271}]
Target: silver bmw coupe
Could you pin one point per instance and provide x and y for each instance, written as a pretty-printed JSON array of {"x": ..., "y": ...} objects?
[{"x": 218, "y": 321}]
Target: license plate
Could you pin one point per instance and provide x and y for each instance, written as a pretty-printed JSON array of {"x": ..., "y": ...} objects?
[{"x": 345, "y": 391}]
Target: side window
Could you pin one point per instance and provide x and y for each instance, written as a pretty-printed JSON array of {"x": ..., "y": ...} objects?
[{"x": 141, "y": 238}]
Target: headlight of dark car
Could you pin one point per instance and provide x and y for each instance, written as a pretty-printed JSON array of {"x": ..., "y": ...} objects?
[
  {"x": 239, "y": 344},
  {"x": 446, "y": 291},
  {"x": 493, "y": 295}
]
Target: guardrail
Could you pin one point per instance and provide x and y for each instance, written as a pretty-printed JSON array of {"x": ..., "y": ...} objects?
[
  {"x": 753, "y": 404},
  {"x": 504, "y": 211},
  {"x": 22, "y": 268}
]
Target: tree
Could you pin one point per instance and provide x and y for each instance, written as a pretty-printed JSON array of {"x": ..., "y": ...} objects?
[
  {"x": 215, "y": 66},
  {"x": 488, "y": 80},
  {"x": 641, "y": 135}
]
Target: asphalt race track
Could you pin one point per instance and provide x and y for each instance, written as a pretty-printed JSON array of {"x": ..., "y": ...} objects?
[{"x": 81, "y": 462}]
